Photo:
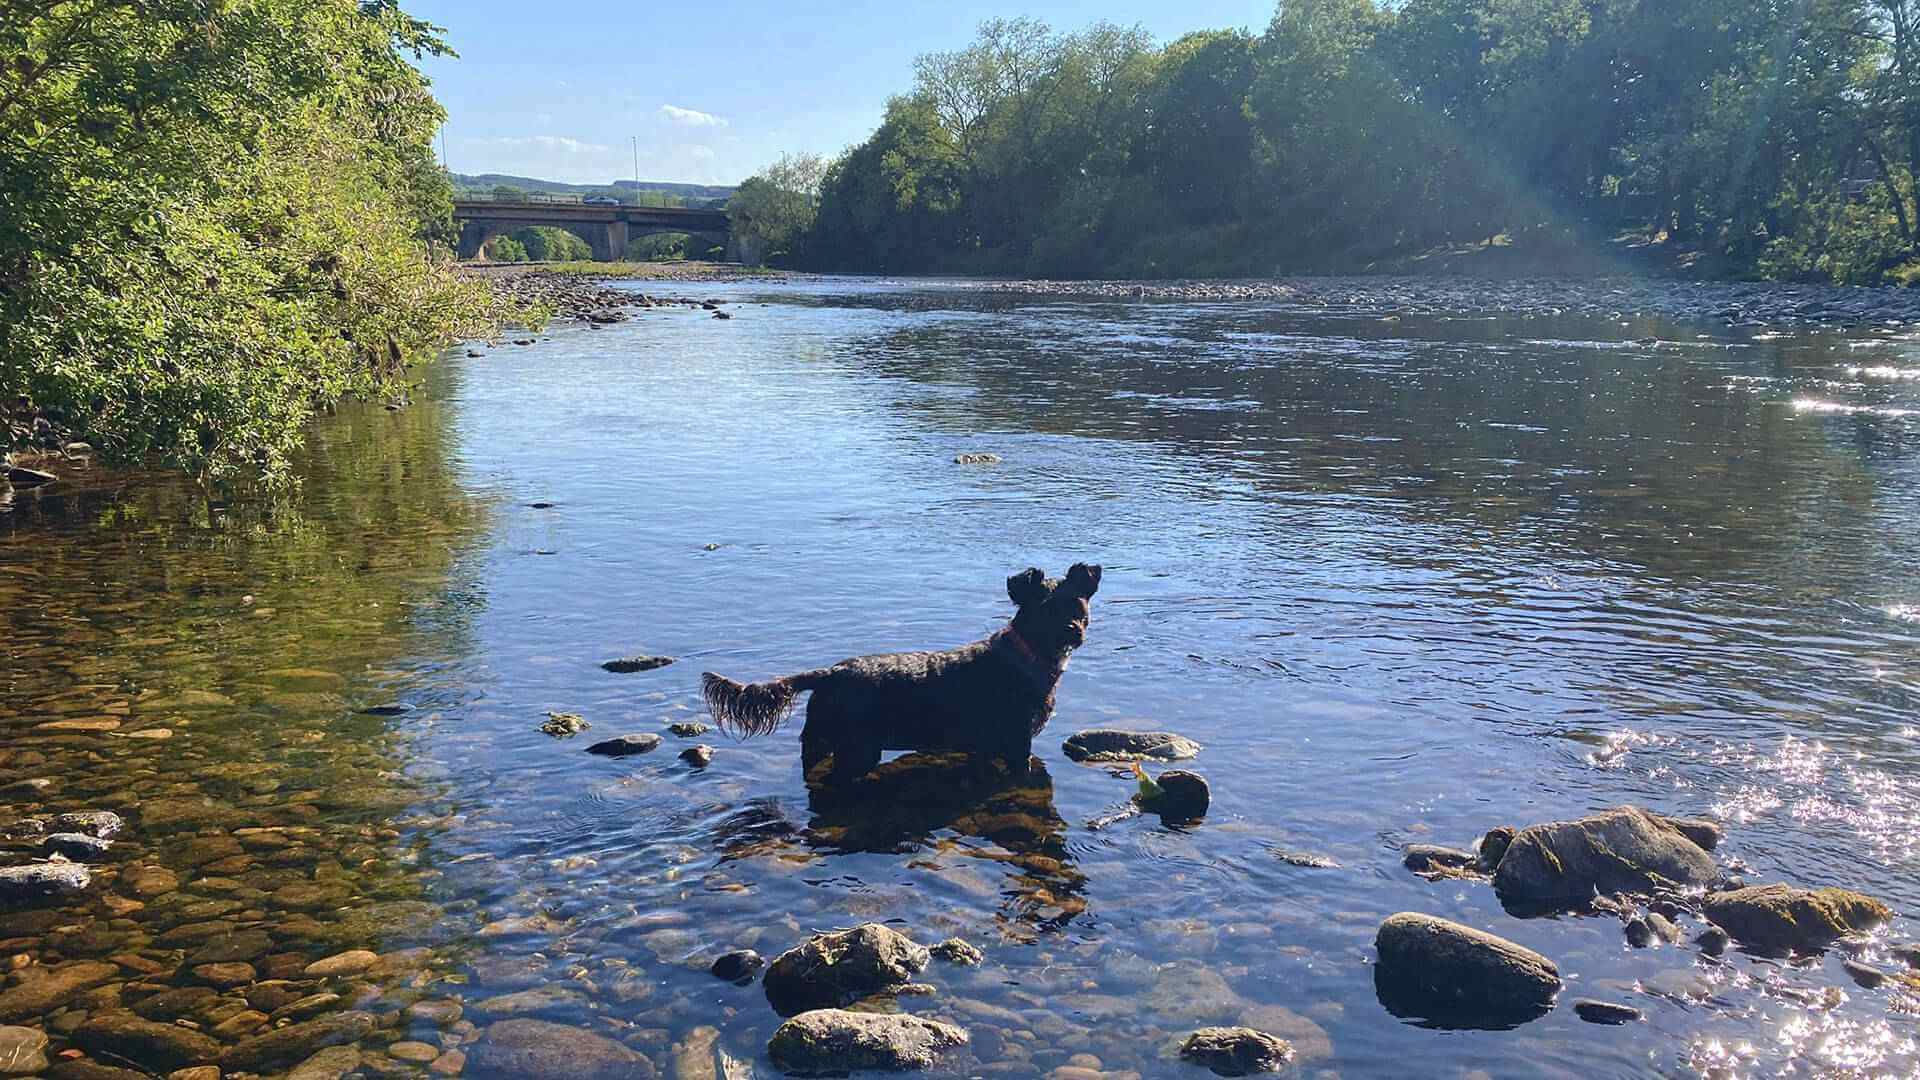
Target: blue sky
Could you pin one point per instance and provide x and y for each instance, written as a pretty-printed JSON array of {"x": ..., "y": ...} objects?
[{"x": 713, "y": 90}]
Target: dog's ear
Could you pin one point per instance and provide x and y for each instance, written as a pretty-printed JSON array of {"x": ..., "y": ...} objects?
[
  {"x": 1084, "y": 580},
  {"x": 1027, "y": 587}
]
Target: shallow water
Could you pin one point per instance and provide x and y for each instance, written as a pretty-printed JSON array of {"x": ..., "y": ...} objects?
[{"x": 1405, "y": 580}]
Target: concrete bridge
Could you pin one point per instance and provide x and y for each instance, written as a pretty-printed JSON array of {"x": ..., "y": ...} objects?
[{"x": 606, "y": 229}]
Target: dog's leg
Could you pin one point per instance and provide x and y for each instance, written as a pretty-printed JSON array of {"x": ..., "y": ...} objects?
[
  {"x": 818, "y": 737},
  {"x": 853, "y": 758}
]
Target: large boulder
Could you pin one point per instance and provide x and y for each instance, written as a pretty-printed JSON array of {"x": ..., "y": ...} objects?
[
  {"x": 1625, "y": 850},
  {"x": 123, "y": 1036},
  {"x": 833, "y": 1040},
  {"x": 1100, "y": 745},
  {"x": 538, "y": 1050},
  {"x": 1236, "y": 1051},
  {"x": 834, "y": 969},
  {"x": 1782, "y": 919},
  {"x": 1456, "y": 976}
]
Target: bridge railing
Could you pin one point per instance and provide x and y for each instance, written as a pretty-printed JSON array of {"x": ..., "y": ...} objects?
[{"x": 516, "y": 198}]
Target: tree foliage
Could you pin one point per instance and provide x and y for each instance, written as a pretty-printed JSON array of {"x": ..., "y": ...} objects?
[
  {"x": 216, "y": 218},
  {"x": 1782, "y": 136},
  {"x": 772, "y": 210}
]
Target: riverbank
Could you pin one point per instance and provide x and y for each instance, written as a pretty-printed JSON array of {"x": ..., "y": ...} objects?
[{"x": 578, "y": 291}]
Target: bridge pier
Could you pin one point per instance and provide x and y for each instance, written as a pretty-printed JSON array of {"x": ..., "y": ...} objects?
[{"x": 473, "y": 237}]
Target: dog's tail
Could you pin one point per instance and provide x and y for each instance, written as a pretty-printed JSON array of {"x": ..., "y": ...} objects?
[{"x": 745, "y": 710}]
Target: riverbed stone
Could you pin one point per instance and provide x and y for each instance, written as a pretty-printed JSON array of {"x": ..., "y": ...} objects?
[
  {"x": 225, "y": 976},
  {"x": 351, "y": 962},
  {"x": 38, "y": 881},
  {"x": 125, "y": 1036},
  {"x": 1099, "y": 745},
  {"x": 332, "y": 1063},
  {"x": 1783, "y": 918},
  {"x": 1236, "y": 1051},
  {"x": 176, "y": 1003},
  {"x": 80, "y": 847},
  {"x": 538, "y": 1050},
  {"x": 22, "y": 1051},
  {"x": 44, "y": 989},
  {"x": 829, "y": 970},
  {"x": 233, "y": 946},
  {"x": 280, "y": 1047},
  {"x": 1624, "y": 850},
  {"x": 834, "y": 1040},
  {"x": 699, "y": 756},
  {"x": 626, "y": 745},
  {"x": 1457, "y": 976},
  {"x": 148, "y": 882},
  {"x": 688, "y": 729},
  {"x": 104, "y": 824}
]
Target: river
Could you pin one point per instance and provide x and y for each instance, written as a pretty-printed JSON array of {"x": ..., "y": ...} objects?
[{"x": 1406, "y": 577}]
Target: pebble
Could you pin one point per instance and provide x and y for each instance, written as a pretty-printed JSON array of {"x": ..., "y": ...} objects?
[{"x": 417, "y": 1052}]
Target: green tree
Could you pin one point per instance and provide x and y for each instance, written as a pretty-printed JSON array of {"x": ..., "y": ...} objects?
[
  {"x": 774, "y": 209},
  {"x": 217, "y": 218}
]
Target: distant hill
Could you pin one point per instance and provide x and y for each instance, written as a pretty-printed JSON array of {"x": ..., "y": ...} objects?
[{"x": 484, "y": 181}]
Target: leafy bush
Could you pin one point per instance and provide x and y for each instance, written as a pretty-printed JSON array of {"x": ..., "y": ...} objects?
[{"x": 215, "y": 219}]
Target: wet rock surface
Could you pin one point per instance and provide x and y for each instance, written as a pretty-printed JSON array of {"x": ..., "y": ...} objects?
[
  {"x": 1099, "y": 745},
  {"x": 22, "y": 1051},
  {"x": 1183, "y": 797},
  {"x": 631, "y": 665},
  {"x": 539, "y": 1050},
  {"x": 831, "y": 970},
  {"x": 25, "y": 883},
  {"x": 1457, "y": 976},
  {"x": 1626, "y": 850},
  {"x": 626, "y": 745},
  {"x": 1783, "y": 918},
  {"x": 832, "y": 1040},
  {"x": 1236, "y": 1051},
  {"x": 1606, "y": 1012}
]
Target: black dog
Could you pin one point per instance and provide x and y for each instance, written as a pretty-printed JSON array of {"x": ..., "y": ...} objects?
[{"x": 989, "y": 698}]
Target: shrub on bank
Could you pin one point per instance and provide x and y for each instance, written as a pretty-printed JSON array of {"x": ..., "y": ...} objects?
[{"x": 215, "y": 221}]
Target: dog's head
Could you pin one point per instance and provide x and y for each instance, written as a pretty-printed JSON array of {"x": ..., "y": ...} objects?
[{"x": 1053, "y": 615}]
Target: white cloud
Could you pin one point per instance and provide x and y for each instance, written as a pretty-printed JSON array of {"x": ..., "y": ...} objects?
[
  {"x": 701, "y": 153},
  {"x": 691, "y": 117},
  {"x": 553, "y": 142}
]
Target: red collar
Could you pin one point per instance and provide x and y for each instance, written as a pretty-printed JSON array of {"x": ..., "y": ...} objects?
[{"x": 1042, "y": 674}]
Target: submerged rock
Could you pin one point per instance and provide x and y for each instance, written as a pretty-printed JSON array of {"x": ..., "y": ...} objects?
[
  {"x": 42, "y": 990},
  {"x": 538, "y": 1050},
  {"x": 976, "y": 459},
  {"x": 1866, "y": 976},
  {"x": 1713, "y": 941},
  {"x": 1625, "y": 850},
  {"x": 834, "y": 969},
  {"x": 1456, "y": 976},
  {"x": 688, "y": 729},
  {"x": 42, "y": 880},
  {"x": 1236, "y": 1051},
  {"x": 22, "y": 1051},
  {"x": 1098, "y": 745},
  {"x": 699, "y": 756},
  {"x": 833, "y": 1040},
  {"x": 632, "y": 664},
  {"x": 1782, "y": 918},
  {"x": 104, "y": 824},
  {"x": 160, "y": 1047},
  {"x": 626, "y": 746},
  {"x": 1907, "y": 954},
  {"x": 1606, "y": 1012},
  {"x": 77, "y": 846},
  {"x": 281, "y": 1047}
]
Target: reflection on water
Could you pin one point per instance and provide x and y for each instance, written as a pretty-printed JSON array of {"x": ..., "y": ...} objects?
[{"x": 1404, "y": 581}]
